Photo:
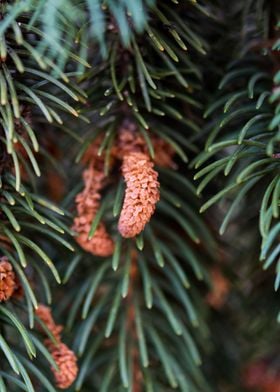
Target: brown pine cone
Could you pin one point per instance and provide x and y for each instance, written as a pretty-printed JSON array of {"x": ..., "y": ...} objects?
[
  {"x": 88, "y": 204},
  {"x": 45, "y": 315},
  {"x": 7, "y": 279},
  {"x": 141, "y": 194},
  {"x": 66, "y": 361}
]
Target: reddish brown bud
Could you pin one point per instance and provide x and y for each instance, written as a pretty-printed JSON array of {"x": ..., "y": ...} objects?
[
  {"x": 131, "y": 140},
  {"x": 44, "y": 314},
  {"x": 66, "y": 361},
  {"x": 7, "y": 279},
  {"x": 88, "y": 203},
  {"x": 141, "y": 195}
]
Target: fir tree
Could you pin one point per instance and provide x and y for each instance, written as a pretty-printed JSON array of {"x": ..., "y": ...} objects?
[{"x": 111, "y": 277}]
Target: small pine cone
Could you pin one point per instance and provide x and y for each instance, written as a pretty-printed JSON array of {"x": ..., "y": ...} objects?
[
  {"x": 88, "y": 203},
  {"x": 66, "y": 361},
  {"x": 94, "y": 181},
  {"x": 129, "y": 140},
  {"x": 101, "y": 244},
  {"x": 7, "y": 279},
  {"x": 141, "y": 195},
  {"x": 91, "y": 156},
  {"x": 45, "y": 315}
]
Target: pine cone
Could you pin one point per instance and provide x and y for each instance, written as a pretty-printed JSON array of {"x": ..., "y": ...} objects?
[
  {"x": 45, "y": 315},
  {"x": 7, "y": 279},
  {"x": 101, "y": 244},
  {"x": 91, "y": 157},
  {"x": 88, "y": 203},
  {"x": 131, "y": 140},
  {"x": 141, "y": 195},
  {"x": 66, "y": 361}
]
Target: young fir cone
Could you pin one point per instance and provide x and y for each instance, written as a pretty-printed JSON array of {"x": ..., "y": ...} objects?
[
  {"x": 66, "y": 362},
  {"x": 130, "y": 139},
  {"x": 65, "y": 358},
  {"x": 7, "y": 279},
  {"x": 44, "y": 314},
  {"x": 141, "y": 194},
  {"x": 88, "y": 204}
]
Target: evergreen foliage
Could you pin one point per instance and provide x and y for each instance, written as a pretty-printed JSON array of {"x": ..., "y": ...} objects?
[{"x": 104, "y": 105}]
